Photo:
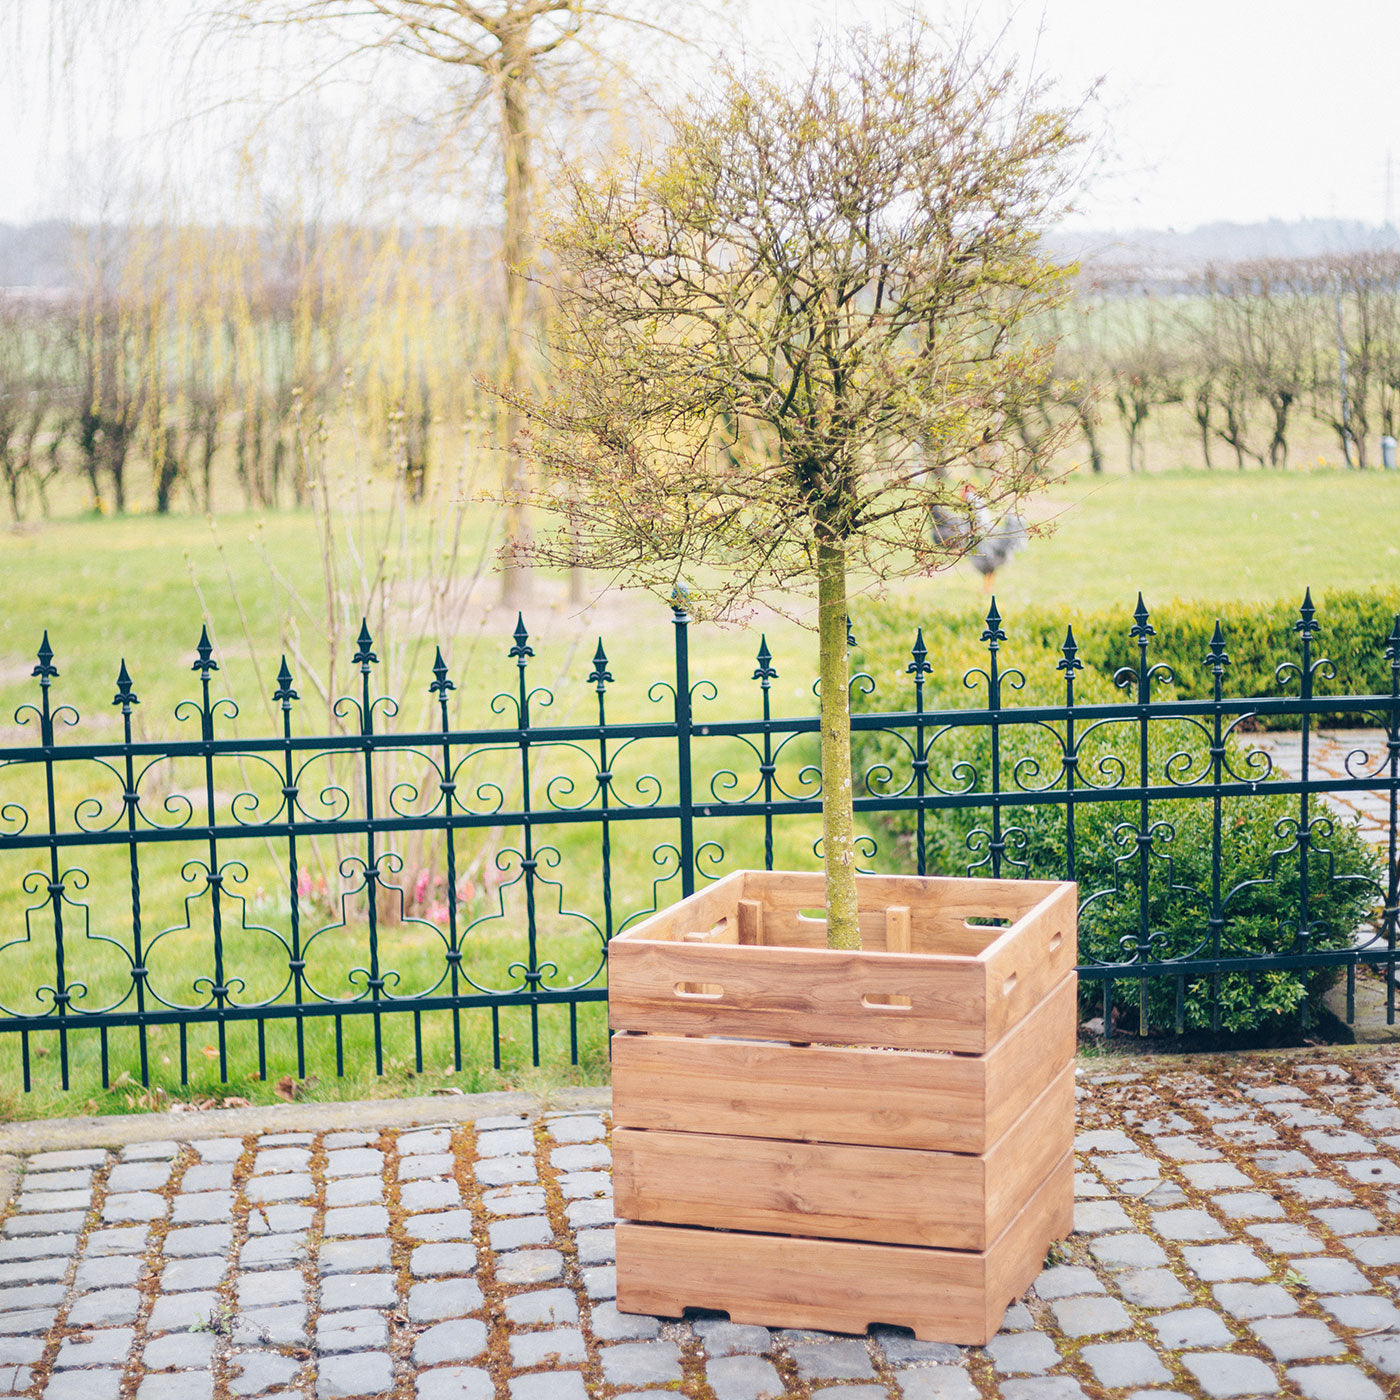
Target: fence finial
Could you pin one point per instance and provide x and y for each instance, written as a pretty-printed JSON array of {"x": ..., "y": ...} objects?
[
  {"x": 600, "y": 675},
  {"x": 1392, "y": 644},
  {"x": 765, "y": 672},
  {"x": 441, "y": 685},
  {"x": 205, "y": 648},
  {"x": 1069, "y": 661},
  {"x": 364, "y": 653},
  {"x": 1217, "y": 658},
  {"x": 45, "y": 668},
  {"x": 994, "y": 632},
  {"x": 521, "y": 649},
  {"x": 1142, "y": 629},
  {"x": 284, "y": 691},
  {"x": 126, "y": 694},
  {"x": 1306, "y": 625},
  {"x": 919, "y": 665}
]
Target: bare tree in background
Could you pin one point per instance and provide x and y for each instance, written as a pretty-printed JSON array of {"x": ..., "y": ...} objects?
[
  {"x": 1144, "y": 362},
  {"x": 514, "y": 52}
]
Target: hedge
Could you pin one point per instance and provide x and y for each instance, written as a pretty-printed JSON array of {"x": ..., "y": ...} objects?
[{"x": 1356, "y": 629}]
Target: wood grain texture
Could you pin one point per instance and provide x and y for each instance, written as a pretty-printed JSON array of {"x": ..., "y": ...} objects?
[
  {"x": 836, "y": 1285},
  {"x": 806, "y": 994},
  {"x": 782, "y": 989},
  {"x": 841, "y": 1190},
  {"x": 825, "y": 1093}
]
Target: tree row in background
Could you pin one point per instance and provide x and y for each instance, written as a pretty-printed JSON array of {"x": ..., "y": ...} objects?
[
  {"x": 1251, "y": 355},
  {"x": 185, "y": 368}
]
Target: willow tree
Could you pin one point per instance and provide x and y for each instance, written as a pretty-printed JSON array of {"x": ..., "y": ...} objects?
[
  {"x": 517, "y": 60},
  {"x": 784, "y": 339}
]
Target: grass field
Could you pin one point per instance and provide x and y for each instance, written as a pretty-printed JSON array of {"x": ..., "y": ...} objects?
[{"x": 113, "y": 589}]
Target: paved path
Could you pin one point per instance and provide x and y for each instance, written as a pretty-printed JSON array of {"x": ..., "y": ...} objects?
[
  {"x": 1336, "y": 753},
  {"x": 1237, "y": 1236}
]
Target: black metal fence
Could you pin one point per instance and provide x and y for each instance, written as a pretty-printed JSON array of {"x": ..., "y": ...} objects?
[{"x": 404, "y": 883}]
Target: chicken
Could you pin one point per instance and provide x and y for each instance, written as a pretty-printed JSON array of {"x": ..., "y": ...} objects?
[{"x": 987, "y": 541}]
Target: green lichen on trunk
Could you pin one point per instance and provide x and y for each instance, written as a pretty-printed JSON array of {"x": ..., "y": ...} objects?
[{"x": 838, "y": 812}]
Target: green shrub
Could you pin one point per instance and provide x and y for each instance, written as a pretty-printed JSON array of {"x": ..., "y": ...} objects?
[
  {"x": 1354, "y": 631},
  {"x": 1259, "y": 873}
]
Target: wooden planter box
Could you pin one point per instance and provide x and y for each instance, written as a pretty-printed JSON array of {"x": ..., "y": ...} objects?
[{"x": 812, "y": 1138}]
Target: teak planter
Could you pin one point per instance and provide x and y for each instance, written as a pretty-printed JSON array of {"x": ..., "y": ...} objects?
[{"x": 813, "y": 1138}]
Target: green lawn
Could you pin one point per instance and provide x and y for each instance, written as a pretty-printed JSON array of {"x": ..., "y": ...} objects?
[{"x": 113, "y": 589}]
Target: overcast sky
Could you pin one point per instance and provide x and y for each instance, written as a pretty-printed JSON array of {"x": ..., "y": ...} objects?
[{"x": 1210, "y": 110}]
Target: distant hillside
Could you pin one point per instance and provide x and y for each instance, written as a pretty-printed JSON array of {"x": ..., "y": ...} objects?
[
  {"x": 41, "y": 255},
  {"x": 1223, "y": 242}
]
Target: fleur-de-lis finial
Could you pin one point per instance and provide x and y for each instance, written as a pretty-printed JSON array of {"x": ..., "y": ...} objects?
[
  {"x": 126, "y": 692},
  {"x": 45, "y": 668},
  {"x": 765, "y": 673},
  {"x": 994, "y": 633},
  {"x": 1217, "y": 658},
  {"x": 364, "y": 648},
  {"x": 1392, "y": 645},
  {"x": 441, "y": 685},
  {"x": 1069, "y": 661},
  {"x": 206, "y": 663},
  {"x": 919, "y": 665},
  {"x": 521, "y": 649},
  {"x": 1306, "y": 626},
  {"x": 284, "y": 691},
  {"x": 1142, "y": 629},
  {"x": 600, "y": 675},
  {"x": 850, "y": 636}
]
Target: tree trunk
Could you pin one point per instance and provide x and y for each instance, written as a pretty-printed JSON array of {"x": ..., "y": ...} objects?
[
  {"x": 1278, "y": 445},
  {"x": 838, "y": 811},
  {"x": 1085, "y": 414},
  {"x": 1202, "y": 413},
  {"x": 516, "y": 579}
]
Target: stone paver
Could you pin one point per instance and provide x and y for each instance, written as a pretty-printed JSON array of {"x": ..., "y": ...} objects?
[{"x": 1235, "y": 1236}]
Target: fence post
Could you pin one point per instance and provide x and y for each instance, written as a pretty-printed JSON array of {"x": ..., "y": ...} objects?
[{"x": 683, "y": 733}]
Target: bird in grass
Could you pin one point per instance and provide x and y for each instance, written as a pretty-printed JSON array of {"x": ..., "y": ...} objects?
[{"x": 987, "y": 541}]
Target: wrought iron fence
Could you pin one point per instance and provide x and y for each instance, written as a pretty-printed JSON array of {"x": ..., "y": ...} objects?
[{"x": 300, "y": 915}]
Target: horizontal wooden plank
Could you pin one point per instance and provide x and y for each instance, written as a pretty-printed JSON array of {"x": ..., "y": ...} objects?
[
  {"x": 826, "y": 1093},
  {"x": 839, "y": 1286},
  {"x": 801, "y": 994},
  {"x": 842, "y": 1190}
]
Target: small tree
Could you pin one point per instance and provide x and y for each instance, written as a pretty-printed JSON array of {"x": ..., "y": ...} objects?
[{"x": 780, "y": 342}]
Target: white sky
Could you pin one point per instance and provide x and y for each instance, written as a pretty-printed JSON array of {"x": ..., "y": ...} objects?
[{"x": 1209, "y": 110}]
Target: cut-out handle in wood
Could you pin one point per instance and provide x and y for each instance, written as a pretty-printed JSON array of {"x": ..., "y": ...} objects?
[
  {"x": 1009, "y": 985},
  {"x": 699, "y": 991},
  {"x": 1055, "y": 940},
  {"x": 881, "y": 1001}
]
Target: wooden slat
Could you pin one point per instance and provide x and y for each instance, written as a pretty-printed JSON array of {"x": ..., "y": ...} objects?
[
  {"x": 840, "y": 1190},
  {"x": 824, "y": 1093},
  {"x": 897, "y": 929},
  {"x": 777, "y": 1281},
  {"x": 799, "y": 994},
  {"x": 750, "y": 921},
  {"x": 1022, "y": 969}
]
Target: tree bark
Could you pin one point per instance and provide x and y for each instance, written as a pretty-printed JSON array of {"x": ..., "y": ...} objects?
[
  {"x": 516, "y": 580},
  {"x": 838, "y": 811}
]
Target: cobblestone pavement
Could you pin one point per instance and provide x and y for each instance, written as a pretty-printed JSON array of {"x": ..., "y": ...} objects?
[
  {"x": 1236, "y": 1235},
  {"x": 1338, "y": 753}
]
